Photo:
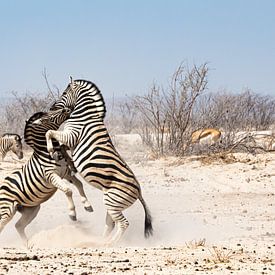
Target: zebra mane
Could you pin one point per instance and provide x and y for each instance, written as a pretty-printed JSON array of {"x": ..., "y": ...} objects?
[
  {"x": 11, "y": 135},
  {"x": 93, "y": 85},
  {"x": 34, "y": 117},
  {"x": 83, "y": 82}
]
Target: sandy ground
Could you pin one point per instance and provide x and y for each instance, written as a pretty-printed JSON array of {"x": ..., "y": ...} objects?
[{"x": 208, "y": 219}]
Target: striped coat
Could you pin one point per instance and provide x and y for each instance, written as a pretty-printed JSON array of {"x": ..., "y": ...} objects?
[
  {"x": 25, "y": 189},
  {"x": 11, "y": 142},
  {"x": 94, "y": 156}
]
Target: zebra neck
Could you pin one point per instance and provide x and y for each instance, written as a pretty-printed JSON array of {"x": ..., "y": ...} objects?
[
  {"x": 87, "y": 114},
  {"x": 89, "y": 108},
  {"x": 5, "y": 146},
  {"x": 97, "y": 131}
]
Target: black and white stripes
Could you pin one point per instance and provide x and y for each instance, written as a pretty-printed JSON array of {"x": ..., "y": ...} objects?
[
  {"x": 11, "y": 142},
  {"x": 95, "y": 157},
  {"x": 25, "y": 189}
]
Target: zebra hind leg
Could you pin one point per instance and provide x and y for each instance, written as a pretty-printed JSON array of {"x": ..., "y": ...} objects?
[
  {"x": 78, "y": 184},
  {"x": 121, "y": 223},
  {"x": 114, "y": 211},
  {"x": 110, "y": 224},
  {"x": 28, "y": 214}
]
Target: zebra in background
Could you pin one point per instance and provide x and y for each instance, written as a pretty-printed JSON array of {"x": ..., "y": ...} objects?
[
  {"x": 25, "y": 189},
  {"x": 95, "y": 157},
  {"x": 11, "y": 142}
]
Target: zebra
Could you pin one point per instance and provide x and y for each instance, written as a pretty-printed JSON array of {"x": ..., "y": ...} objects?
[
  {"x": 11, "y": 142},
  {"x": 25, "y": 189},
  {"x": 95, "y": 157}
]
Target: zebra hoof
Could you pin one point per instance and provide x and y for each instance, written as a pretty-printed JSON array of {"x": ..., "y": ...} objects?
[
  {"x": 89, "y": 208},
  {"x": 73, "y": 218}
]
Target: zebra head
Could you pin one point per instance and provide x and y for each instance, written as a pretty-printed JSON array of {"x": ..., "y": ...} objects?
[
  {"x": 83, "y": 97},
  {"x": 39, "y": 123},
  {"x": 52, "y": 119},
  {"x": 15, "y": 142}
]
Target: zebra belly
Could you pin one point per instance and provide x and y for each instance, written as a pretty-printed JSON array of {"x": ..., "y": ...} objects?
[
  {"x": 39, "y": 200},
  {"x": 106, "y": 174},
  {"x": 25, "y": 190},
  {"x": 84, "y": 179}
]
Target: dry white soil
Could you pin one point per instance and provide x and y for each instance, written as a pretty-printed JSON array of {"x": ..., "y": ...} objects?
[{"x": 231, "y": 206}]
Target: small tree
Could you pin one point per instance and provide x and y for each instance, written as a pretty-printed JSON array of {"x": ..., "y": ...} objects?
[
  {"x": 166, "y": 113},
  {"x": 23, "y": 106}
]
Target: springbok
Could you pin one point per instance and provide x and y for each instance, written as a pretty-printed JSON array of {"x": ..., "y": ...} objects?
[{"x": 206, "y": 136}]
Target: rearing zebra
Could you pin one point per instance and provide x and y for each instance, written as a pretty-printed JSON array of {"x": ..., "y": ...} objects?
[
  {"x": 95, "y": 157},
  {"x": 11, "y": 142},
  {"x": 25, "y": 189}
]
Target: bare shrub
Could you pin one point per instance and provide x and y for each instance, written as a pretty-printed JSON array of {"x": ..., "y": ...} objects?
[
  {"x": 238, "y": 116},
  {"x": 21, "y": 107},
  {"x": 166, "y": 114},
  {"x": 121, "y": 117},
  {"x": 238, "y": 112}
]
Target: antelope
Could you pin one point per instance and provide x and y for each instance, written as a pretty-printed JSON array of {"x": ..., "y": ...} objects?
[{"x": 206, "y": 136}]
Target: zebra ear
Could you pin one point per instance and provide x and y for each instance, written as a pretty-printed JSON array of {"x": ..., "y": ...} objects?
[
  {"x": 37, "y": 121},
  {"x": 71, "y": 83},
  {"x": 71, "y": 80}
]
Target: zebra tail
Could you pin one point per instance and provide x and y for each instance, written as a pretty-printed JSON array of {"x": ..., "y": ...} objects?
[{"x": 148, "y": 228}]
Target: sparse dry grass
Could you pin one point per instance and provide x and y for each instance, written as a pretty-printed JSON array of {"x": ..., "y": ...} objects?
[
  {"x": 196, "y": 243},
  {"x": 223, "y": 255}
]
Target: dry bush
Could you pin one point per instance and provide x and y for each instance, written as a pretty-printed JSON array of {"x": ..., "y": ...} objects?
[
  {"x": 121, "y": 117},
  {"x": 246, "y": 112},
  {"x": 235, "y": 112},
  {"x": 165, "y": 115},
  {"x": 21, "y": 107}
]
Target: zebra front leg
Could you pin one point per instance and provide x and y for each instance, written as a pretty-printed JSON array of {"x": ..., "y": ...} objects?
[
  {"x": 28, "y": 214},
  {"x": 56, "y": 181},
  {"x": 7, "y": 211},
  {"x": 61, "y": 136},
  {"x": 78, "y": 184},
  {"x": 49, "y": 135}
]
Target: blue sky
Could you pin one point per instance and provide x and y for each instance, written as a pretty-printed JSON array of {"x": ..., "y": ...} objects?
[{"x": 125, "y": 46}]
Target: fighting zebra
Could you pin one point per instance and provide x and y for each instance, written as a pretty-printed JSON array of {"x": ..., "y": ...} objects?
[
  {"x": 11, "y": 142},
  {"x": 25, "y": 189},
  {"x": 95, "y": 157}
]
